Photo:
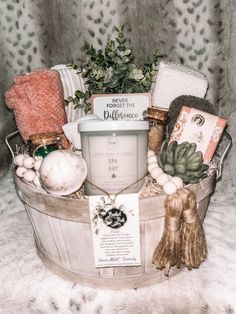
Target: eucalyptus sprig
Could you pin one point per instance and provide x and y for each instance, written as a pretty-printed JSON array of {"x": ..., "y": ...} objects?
[{"x": 113, "y": 71}]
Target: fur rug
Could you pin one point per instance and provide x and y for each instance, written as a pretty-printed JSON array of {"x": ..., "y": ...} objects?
[{"x": 28, "y": 287}]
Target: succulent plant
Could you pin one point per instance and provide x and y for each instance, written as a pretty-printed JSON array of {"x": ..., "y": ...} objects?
[{"x": 182, "y": 160}]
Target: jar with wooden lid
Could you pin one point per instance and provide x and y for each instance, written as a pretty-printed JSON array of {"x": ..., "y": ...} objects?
[
  {"x": 157, "y": 118},
  {"x": 43, "y": 143}
]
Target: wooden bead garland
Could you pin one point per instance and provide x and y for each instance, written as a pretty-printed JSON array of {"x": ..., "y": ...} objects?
[
  {"x": 170, "y": 184},
  {"x": 27, "y": 168}
]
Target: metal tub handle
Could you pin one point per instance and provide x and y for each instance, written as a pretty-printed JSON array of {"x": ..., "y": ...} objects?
[{"x": 222, "y": 157}]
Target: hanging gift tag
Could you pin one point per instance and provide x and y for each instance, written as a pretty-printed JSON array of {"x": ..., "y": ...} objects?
[{"x": 115, "y": 229}]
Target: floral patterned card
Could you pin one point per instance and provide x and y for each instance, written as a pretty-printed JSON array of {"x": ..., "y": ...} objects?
[{"x": 202, "y": 128}]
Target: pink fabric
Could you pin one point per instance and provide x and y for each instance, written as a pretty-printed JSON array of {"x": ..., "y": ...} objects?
[{"x": 38, "y": 103}]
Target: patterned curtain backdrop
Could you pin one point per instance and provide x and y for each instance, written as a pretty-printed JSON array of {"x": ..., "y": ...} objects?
[{"x": 199, "y": 33}]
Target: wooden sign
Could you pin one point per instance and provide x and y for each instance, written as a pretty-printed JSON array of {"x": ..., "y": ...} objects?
[{"x": 121, "y": 106}]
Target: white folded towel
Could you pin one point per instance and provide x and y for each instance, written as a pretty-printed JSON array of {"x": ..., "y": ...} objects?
[
  {"x": 174, "y": 80},
  {"x": 71, "y": 81}
]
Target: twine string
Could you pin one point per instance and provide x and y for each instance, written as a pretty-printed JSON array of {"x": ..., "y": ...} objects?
[
  {"x": 119, "y": 192},
  {"x": 190, "y": 216},
  {"x": 172, "y": 224}
]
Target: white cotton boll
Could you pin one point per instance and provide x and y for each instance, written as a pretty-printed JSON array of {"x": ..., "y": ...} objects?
[
  {"x": 18, "y": 159},
  {"x": 170, "y": 188},
  {"x": 150, "y": 153},
  {"x": 178, "y": 181},
  {"x": 29, "y": 175},
  {"x": 152, "y": 159},
  {"x": 162, "y": 178},
  {"x": 151, "y": 166},
  {"x": 20, "y": 171},
  {"x": 28, "y": 162},
  {"x": 37, "y": 164},
  {"x": 156, "y": 172}
]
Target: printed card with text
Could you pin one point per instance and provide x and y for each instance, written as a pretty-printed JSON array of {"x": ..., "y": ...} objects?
[
  {"x": 115, "y": 230},
  {"x": 202, "y": 128},
  {"x": 121, "y": 106}
]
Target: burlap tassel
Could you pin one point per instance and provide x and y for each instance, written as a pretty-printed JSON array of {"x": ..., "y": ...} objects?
[
  {"x": 194, "y": 249},
  {"x": 168, "y": 251}
]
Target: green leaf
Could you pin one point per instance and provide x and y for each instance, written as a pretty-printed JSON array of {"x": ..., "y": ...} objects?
[
  {"x": 69, "y": 99},
  {"x": 87, "y": 95},
  {"x": 113, "y": 70},
  {"x": 79, "y": 94},
  {"x": 72, "y": 65}
]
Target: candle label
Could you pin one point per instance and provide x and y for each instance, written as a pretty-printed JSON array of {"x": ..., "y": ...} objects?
[
  {"x": 114, "y": 161},
  {"x": 121, "y": 106},
  {"x": 115, "y": 230}
]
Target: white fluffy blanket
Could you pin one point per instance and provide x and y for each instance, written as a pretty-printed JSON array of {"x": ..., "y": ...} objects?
[{"x": 26, "y": 286}]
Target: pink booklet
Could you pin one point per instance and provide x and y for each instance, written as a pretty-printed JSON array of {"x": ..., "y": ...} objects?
[{"x": 202, "y": 128}]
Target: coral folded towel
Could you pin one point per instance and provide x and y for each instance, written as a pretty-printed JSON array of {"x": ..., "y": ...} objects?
[{"x": 38, "y": 103}]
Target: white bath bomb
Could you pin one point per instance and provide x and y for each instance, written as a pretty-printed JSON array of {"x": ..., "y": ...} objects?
[
  {"x": 170, "y": 188},
  {"x": 62, "y": 172},
  {"x": 178, "y": 181},
  {"x": 18, "y": 159},
  {"x": 162, "y": 178}
]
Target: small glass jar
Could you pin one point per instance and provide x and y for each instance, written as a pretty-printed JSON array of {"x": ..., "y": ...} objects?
[
  {"x": 157, "y": 118},
  {"x": 43, "y": 143}
]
